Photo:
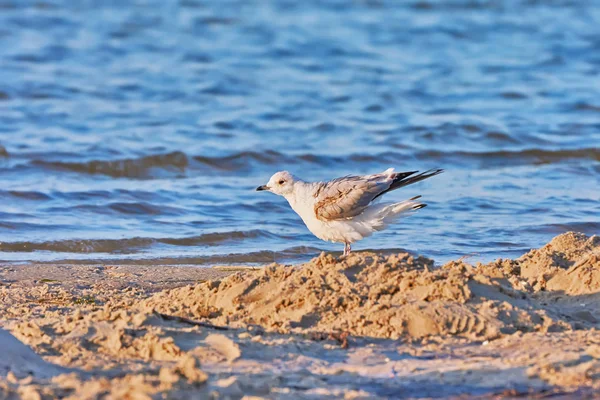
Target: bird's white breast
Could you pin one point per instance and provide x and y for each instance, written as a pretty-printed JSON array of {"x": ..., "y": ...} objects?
[{"x": 303, "y": 203}]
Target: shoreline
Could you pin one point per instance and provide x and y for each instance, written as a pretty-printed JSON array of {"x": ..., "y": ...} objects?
[{"x": 368, "y": 326}]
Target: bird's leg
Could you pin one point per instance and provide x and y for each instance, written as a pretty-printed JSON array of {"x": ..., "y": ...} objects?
[{"x": 347, "y": 249}]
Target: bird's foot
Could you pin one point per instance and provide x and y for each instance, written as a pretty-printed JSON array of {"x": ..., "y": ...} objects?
[{"x": 347, "y": 249}]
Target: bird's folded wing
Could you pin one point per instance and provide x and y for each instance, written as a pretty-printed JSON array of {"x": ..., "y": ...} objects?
[{"x": 348, "y": 196}]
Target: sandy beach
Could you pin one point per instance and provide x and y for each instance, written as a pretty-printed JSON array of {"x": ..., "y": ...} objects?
[{"x": 368, "y": 326}]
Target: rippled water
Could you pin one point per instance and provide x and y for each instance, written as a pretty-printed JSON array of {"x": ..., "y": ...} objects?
[{"x": 138, "y": 130}]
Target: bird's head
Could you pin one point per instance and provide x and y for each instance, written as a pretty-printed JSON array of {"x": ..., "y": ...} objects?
[{"x": 281, "y": 183}]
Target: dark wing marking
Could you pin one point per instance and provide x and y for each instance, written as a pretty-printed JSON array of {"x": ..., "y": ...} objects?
[{"x": 404, "y": 180}]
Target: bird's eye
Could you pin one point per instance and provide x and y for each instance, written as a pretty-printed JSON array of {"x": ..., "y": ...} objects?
[{"x": 281, "y": 182}]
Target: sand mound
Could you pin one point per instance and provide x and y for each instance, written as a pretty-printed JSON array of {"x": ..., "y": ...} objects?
[
  {"x": 570, "y": 263},
  {"x": 101, "y": 339},
  {"x": 396, "y": 296},
  {"x": 20, "y": 361}
]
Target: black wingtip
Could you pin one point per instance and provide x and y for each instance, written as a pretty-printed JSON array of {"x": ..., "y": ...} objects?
[
  {"x": 419, "y": 206},
  {"x": 431, "y": 172},
  {"x": 402, "y": 179},
  {"x": 409, "y": 179}
]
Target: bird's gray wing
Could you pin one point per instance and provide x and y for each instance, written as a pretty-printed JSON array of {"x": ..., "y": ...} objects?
[{"x": 348, "y": 196}]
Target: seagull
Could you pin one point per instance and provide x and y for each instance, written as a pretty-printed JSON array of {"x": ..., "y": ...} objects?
[{"x": 344, "y": 210}]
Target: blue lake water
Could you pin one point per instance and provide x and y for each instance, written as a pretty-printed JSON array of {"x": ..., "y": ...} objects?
[{"x": 136, "y": 131}]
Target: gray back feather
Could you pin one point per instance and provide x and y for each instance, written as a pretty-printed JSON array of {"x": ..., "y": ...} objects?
[{"x": 348, "y": 196}]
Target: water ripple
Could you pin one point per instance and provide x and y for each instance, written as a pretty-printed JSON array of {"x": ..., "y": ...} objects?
[{"x": 139, "y": 130}]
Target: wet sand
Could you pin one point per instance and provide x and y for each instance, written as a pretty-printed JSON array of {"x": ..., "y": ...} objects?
[{"x": 368, "y": 326}]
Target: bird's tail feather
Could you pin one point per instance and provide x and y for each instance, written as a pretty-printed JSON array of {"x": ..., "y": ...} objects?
[
  {"x": 386, "y": 213},
  {"x": 403, "y": 207}
]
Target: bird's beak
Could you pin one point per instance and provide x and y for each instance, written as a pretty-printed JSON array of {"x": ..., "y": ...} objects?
[{"x": 261, "y": 188}]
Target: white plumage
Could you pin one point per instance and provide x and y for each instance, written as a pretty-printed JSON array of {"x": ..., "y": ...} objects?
[{"x": 343, "y": 210}]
